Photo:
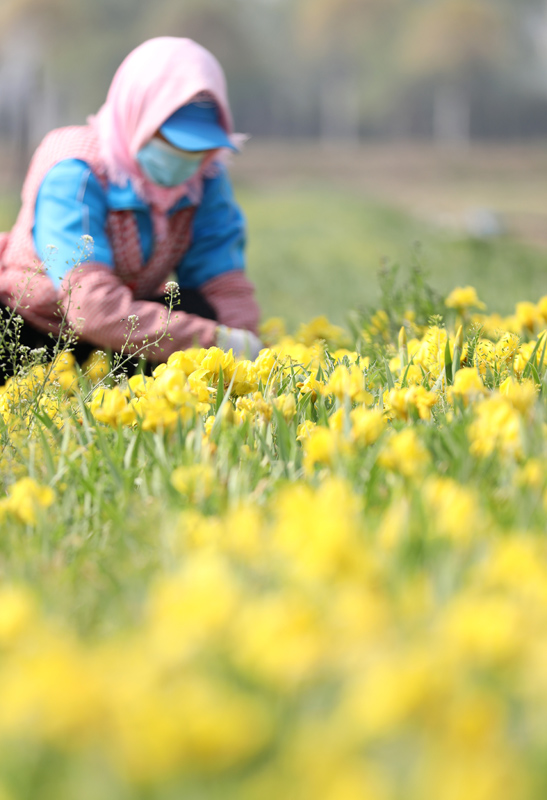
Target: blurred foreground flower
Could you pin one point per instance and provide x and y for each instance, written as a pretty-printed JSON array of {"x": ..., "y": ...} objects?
[{"x": 25, "y": 500}]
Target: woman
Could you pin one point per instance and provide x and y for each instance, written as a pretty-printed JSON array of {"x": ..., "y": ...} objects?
[{"x": 114, "y": 209}]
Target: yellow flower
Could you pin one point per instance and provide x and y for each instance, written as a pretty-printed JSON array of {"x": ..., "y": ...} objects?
[
  {"x": 195, "y": 481},
  {"x": 402, "y": 401},
  {"x": 286, "y": 404},
  {"x": 17, "y": 613},
  {"x": 320, "y": 447},
  {"x": 223, "y": 727},
  {"x": 195, "y": 603},
  {"x": 132, "y": 412},
  {"x": 391, "y": 691},
  {"x": 468, "y": 385},
  {"x": 290, "y": 352},
  {"x": 244, "y": 377},
  {"x": 352, "y": 356},
  {"x": 532, "y": 473},
  {"x": 157, "y": 412},
  {"x": 522, "y": 396},
  {"x": 485, "y": 355},
  {"x": 463, "y": 297},
  {"x": 26, "y": 498},
  {"x": 227, "y": 416},
  {"x": 107, "y": 404},
  {"x": 96, "y": 366},
  {"x": 394, "y": 524},
  {"x": 310, "y": 386},
  {"x": 506, "y": 347},
  {"x": 497, "y": 425},
  {"x": 405, "y": 453},
  {"x": 139, "y": 385},
  {"x": 304, "y": 430},
  {"x": 183, "y": 360},
  {"x": 172, "y": 384},
  {"x": 347, "y": 383},
  {"x": 214, "y": 359},
  {"x": 367, "y": 425},
  {"x": 429, "y": 353},
  {"x": 321, "y": 328},
  {"x": 482, "y": 629},
  {"x": 67, "y": 380},
  {"x": 53, "y": 692},
  {"x": 208, "y": 425},
  {"x": 337, "y": 420},
  {"x": 159, "y": 370},
  {"x": 243, "y": 532},
  {"x": 279, "y": 639},
  {"x": 523, "y": 356},
  {"x": 265, "y": 364},
  {"x": 528, "y": 316},
  {"x": 542, "y": 307},
  {"x": 198, "y": 385},
  {"x": 273, "y": 330},
  {"x": 319, "y": 530},
  {"x": 414, "y": 375},
  {"x": 262, "y": 407},
  {"x": 379, "y": 324},
  {"x": 454, "y": 509},
  {"x": 64, "y": 361},
  {"x": 53, "y": 407}
]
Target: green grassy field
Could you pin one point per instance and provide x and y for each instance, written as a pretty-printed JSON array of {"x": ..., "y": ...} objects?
[{"x": 318, "y": 251}]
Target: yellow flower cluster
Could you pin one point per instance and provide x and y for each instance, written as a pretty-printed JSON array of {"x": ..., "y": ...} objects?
[
  {"x": 179, "y": 389},
  {"x": 341, "y": 587}
]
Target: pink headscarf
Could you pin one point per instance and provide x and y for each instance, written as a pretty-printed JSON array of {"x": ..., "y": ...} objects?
[{"x": 155, "y": 80}]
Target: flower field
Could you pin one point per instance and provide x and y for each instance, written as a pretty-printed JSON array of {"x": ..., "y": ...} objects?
[{"x": 321, "y": 574}]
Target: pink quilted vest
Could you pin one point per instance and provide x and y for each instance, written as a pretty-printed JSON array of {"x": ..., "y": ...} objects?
[{"x": 24, "y": 282}]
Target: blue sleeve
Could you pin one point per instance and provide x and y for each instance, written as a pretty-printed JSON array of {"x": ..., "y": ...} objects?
[
  {"x": 218, "y": 243},
  {"x": 71, "y": 203}
]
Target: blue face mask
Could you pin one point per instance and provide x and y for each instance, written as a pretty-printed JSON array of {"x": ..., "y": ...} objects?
[{"x": 166, "y": 165}]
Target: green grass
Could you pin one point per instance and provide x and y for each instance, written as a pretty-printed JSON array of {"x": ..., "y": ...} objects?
[{"x": 318, "y": 250}]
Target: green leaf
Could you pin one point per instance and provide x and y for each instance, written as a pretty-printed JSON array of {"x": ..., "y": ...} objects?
[
  {"x": 448, "y": 362},
  {"x": 220, "y": 390},
  {"x": 284, "y": 438},
  {"x": 389, "y": 376},
  {"x": 542, "y": 359},
  {"x": 532, "y": 361}
]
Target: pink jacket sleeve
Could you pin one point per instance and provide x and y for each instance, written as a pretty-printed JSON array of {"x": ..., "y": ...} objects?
[
  {"x": 232, "y": 297},
  {"x": 101, "y": 309}
]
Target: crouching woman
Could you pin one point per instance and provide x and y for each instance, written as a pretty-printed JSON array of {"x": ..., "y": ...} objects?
[{"x": 138, "y": 196}]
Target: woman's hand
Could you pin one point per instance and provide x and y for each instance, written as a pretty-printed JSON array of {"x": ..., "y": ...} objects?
[{"x": 243, "y": 343}]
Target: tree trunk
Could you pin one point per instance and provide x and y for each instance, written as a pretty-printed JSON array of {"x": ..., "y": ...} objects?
[
  {"x": 452, "y": 116},
  {"x": 339, "y": 116}
]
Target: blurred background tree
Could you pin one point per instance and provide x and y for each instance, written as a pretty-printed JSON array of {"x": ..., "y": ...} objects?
[
  {"x": 335, "y": 69},
  {"x": 342, "y": 42},
  {"x": 454, "y": 46},
  {"x": 463, "y": 50}
]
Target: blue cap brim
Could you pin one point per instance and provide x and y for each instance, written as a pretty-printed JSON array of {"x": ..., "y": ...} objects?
[{"x": 194, "y": 127}]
